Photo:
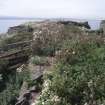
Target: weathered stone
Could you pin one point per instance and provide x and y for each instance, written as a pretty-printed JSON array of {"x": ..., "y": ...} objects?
[
  {"x": 29, "y": 97},
  {"x": 19, "y": 29},
  {"x": 80, "y": 24}
]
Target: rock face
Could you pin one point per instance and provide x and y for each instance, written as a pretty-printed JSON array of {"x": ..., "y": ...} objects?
[
  {"x": 19, "y": 29},
  {"x": 28, "y": 97},
  {"x": 42, "y": 23},
  {"x": 80, "y": 24}
]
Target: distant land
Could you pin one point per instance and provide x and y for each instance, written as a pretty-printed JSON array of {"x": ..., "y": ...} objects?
[
  {"x": 46, "y": 18},
  {"x": 14, "y": 17}
]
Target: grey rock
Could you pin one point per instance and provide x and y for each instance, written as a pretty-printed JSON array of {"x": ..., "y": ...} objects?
[{"x": 18, "y": 29}]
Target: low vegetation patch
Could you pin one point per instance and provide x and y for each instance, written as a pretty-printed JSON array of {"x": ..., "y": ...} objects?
[
  {"x": 36, "y": 60},
  {"x": 78, "y": 78},
  {"x": 12, "y": 87}
]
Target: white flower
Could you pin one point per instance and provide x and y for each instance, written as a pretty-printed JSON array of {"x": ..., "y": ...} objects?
[
  {"x": 55, "y": 98},
  {"x": 46, "y": 83},
  {"x": 42, "y": 103},
  {"x": 19, "y": 70},
  {"x": 73, "y": 52},
  {"x": 90, "y": 83}
]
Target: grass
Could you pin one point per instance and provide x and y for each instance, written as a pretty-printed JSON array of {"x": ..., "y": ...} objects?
[{"x": 36, "y": 60}]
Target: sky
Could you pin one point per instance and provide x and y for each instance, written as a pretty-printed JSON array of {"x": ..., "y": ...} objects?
[{"x": 79, "y": 9}]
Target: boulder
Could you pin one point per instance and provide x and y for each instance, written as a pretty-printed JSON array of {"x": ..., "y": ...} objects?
[
  {"x": 80, "y": 24},
  {"x": 19, "y": 29},
  {"x": 28, "y": 97}
]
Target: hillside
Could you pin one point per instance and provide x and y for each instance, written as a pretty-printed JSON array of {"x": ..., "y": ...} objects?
[{"x": 52, "y": 63}]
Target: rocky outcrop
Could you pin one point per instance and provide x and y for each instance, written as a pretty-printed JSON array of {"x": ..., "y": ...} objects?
[
  {"x": 19, "y": 29},
  {"x": 28, "y": 96},
  {"x": 42, "y": 23},
  {"x": 80, "y": 24}
]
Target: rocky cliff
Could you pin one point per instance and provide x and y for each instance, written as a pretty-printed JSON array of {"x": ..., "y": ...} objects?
[{"x": 19, "y": 29}]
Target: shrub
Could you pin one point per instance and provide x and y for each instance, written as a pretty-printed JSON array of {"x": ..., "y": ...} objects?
[
  {"x": 79, "y": 78},
  {"x": 3, "y": 65},
  {"x": 26, "y": 36},
  {"x": 51, "y": 39},
  {"x": 39, "y": 60},
  {"x": 9, "y": 95}
]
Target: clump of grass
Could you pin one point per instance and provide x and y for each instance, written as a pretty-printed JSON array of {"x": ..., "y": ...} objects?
[
  {"x": 79, "y": 76},
  {"x": 13, "y": 83},
  {"x": 36, "y": 60}
]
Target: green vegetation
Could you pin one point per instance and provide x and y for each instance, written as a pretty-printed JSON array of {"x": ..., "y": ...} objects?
[
  {"x": 48, "y": 42},
  {"x": 79, "y": 77},
  {"x": 19, "y": 37},
  {"x": 11, "y": 83},
  {"x": 3, "y": 65},
  {"x": 76, "y": 78},
  {"x": 36, "y": 60},
  {"x": 10, "y": 94}
]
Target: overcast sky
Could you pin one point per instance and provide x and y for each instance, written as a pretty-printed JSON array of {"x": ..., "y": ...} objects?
[{"x": 88, "y": 9}]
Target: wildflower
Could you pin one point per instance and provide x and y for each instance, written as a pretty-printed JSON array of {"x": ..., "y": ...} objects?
[
  {"x": 42, "y": 103},
  {"x": 46, "y": 83},
  {"x": 73, "y": 52},
  {"x": 19, "y": 70},
  {"x": 90, "y": 83},
  {"x": 55, "y": 99}
]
